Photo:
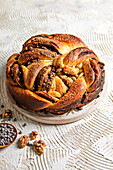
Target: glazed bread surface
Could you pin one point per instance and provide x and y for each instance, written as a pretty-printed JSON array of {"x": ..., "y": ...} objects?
[{"x": 57, "y": 73}]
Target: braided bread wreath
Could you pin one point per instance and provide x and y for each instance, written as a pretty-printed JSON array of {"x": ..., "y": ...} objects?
[{"x": 57, "y": 73}]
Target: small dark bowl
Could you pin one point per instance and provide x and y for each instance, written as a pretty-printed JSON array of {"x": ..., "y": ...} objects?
[{"x": 14, "y": 129}]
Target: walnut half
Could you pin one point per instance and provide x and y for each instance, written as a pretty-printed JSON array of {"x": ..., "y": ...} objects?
[
  {"x": 34, "y": 134},
  {"x": 7, "y": 114},
  {"x": 24, "y": 141},
  {"x": 39, "y": 147}
]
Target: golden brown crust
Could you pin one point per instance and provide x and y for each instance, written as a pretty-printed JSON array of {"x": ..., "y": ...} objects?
[
  {"x": 27, "y": 98},
  {"x": 74, "y": 95},
  {"x": 55, "y": 72}
]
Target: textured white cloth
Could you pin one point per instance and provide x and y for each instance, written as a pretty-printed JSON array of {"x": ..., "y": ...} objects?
[{"x": 88, "y": 143}]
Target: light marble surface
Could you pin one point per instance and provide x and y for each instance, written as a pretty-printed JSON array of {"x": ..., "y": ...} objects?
[{"x": 88, "y": 143}]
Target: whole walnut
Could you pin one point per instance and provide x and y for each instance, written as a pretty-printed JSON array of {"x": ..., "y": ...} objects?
[
  {"x": 24, "y": 141},
  {"x": 55, "y": 72},
  {"x": 39, "y": 147},
  {"x": 34, "y": 134}
]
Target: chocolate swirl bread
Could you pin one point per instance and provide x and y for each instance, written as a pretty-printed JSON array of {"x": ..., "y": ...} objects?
[{"x": 56, "y": 72}]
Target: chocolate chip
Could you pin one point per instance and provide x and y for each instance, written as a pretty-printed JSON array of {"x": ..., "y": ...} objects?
[
  {"x": 9, "y": 126},
  {"x": 9, "y": 119},
  {"x": 13, "y": 133},
  {"x": 11, "y": 140},
  {"x": 30, "y": 144},
  {"x": 20, "y": 132},
  {"x": 2, "y": 106},
  {"x": 13, "y": 136},
  {"x": 24, "y": 125},
  {"x": 15, "y": 119},
  {"x": 98, "y": 96},
  {"x": 79, "y": 108},
  {"x": 0, "y": 116},
  {"x": 11, "y": 116},
  {"x": 1, "y": 143}
]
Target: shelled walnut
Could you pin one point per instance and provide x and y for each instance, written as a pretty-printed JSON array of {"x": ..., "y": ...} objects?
[
  {"x": 39, "y": 147},
  {"x": 34, "y": 135},
  {"x": 24, "y": 141},
  {"x": 7, "y": 114}
]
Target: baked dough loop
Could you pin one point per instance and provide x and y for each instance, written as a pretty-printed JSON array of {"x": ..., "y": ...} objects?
[{"x": 57, "y": 73}]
